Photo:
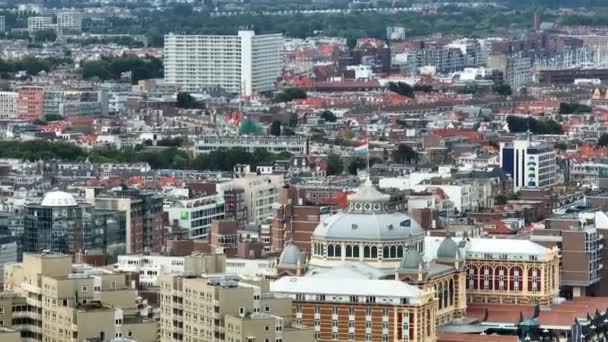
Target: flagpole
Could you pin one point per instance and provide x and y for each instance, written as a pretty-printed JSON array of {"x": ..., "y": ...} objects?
[{"x": 369, "y": 176}]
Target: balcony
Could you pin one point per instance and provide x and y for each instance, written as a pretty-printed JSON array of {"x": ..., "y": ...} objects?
[{"x": 31, "y": 288}]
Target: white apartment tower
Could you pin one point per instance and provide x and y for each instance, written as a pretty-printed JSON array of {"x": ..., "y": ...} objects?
[
  {"x": 531, "y": 164},
  {"x": 40, "y": 24},
  {"x": 8, "y": 105},
  {"x": 243, "y": 63},
  {"x": 69, "y": 21}
]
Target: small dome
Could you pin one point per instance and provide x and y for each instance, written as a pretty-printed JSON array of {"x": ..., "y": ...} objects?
[
  {"x": 411, "y": 260},
  {"x": 448, "y": 249},
  {"x": 58, "y": 199},
  {"x": 291, "y": 256}
]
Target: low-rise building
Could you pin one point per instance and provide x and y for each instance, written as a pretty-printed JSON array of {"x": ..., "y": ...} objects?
[
  {"x": 225, "y": 308},
  {"x": 61, "y": 301},
  {"x": 273, "y": 144}
]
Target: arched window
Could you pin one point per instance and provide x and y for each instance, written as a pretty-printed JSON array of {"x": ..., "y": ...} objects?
[
  {"x": 399, "y": 251},
  {"x": 446, "y": 294},
  {"x": 385, "y": 252},
  {"x": 472, "y": 278},
  {"x": 330, "y": 250},
  {"x": 374, "y": 252},
  {"x": 338, "y": 251},
  {"x": 439, "y": 294},
  {"x": 500, "y": 278},
  {"x": 451, "y": 288},
  {"x": 534, "y": 276},
  {"x": 516, "y": 275},
  {"x": 349, "y": 251},
  {"x": 393, "y": 252},
  {"x": 486, "y": 277},
  {"x": 366, "y": 252},
  {"x": 355, "y": 251}
]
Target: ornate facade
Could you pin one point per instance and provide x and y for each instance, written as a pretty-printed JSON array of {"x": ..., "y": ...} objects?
[{"x": 374, "y": 276}]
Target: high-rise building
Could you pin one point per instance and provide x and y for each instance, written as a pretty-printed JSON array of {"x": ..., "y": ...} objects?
[
  {"x": 2, "y": 23},
  {"x": 69, "y": 21},
  {"x": 531, "y": 164},
  {"x": 8, "y": 252},
  {"x": 40, "y": 24},
  {"x": 52, "y": 300},
  {"x": 8, "y": 104},
  {"x": 194, "y": 215},
  {"x": 60, "y": 223},
  {"x": 515, "y": 69},
  {"x": 29, "y": 103},
  {"x": 261, "y": 193},
  {"x": 143, "y": 217},
  {"x": 215, "y": 307},
  {"x": 293, "y": 221},
  {"x": 241, "y": 64}
]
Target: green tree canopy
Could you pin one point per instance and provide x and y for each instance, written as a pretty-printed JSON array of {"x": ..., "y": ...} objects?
[
  {"x": 520, "y": 125},
  {"x": 186, "y": 101},
  {"x": 573, "y": 108},
  {"x": 290, "y": 94},
  {"x": 603, "y": 140},
  {"x": 112, "y": 68},
  {"x": 404, "y": 154},
  {"x": 335, "y": 166},
  {"x": 275, "y": 128},
  {"x": 402, "y": 89},
  {"x": 356, "y": 163},
  {"x": 329, "y": 116},
  {"x": 503, "y": 89}
]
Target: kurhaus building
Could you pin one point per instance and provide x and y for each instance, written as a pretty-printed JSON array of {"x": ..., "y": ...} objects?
[{"x": 372, "y": 275}]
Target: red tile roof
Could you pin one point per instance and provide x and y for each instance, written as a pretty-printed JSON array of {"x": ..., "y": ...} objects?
[{"x": 456, "y": 337}]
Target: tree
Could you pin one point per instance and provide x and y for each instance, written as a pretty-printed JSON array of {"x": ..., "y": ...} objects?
[
  {"x": 186, "y": 101},
  {"x": 53, "y": 117},
  {"x": 293, "y": 120},
  {"x": 401, "y": 88},
  {"x": 502, "y": 199},
  {"x": 603, "y": 140},
  {"x": 503, "y": 89},
  {"x": 171, "y": 142},
  {"x": 113, "y": 68},
  {"x": 328, "y": 116},
  {"x": 357, "y": 163},
  {"x": 275, "y": 128},
  {"x": 519, "y": 125},
  {"x": 44, "y": 36},
  {"x": 560, "y": 145},
  {"x": 425, "y": 88},
  {"x": 290, "y": 94},
  {"x": 573, "y": 108},
  {"x": 404, "y": 154},
  {"x": 335, "y": 166}
]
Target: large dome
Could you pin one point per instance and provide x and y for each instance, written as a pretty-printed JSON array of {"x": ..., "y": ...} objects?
[
  {"x": 291, "y": 256},
  {"x": 367, "y": 227},
  {"x": 448, "y": 249},
  {"x": 368, "y": 218},
  {"x": 411, "y": 260},
  {"x": 58, "y": 199}
]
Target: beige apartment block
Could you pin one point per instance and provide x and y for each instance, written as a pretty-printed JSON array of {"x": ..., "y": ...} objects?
[
  {"x": 220, "y": 307},
  {"x": 53, "y": 300}
]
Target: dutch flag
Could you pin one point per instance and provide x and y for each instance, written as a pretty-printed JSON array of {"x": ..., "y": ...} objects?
[{"x": 362, "y": 147}]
